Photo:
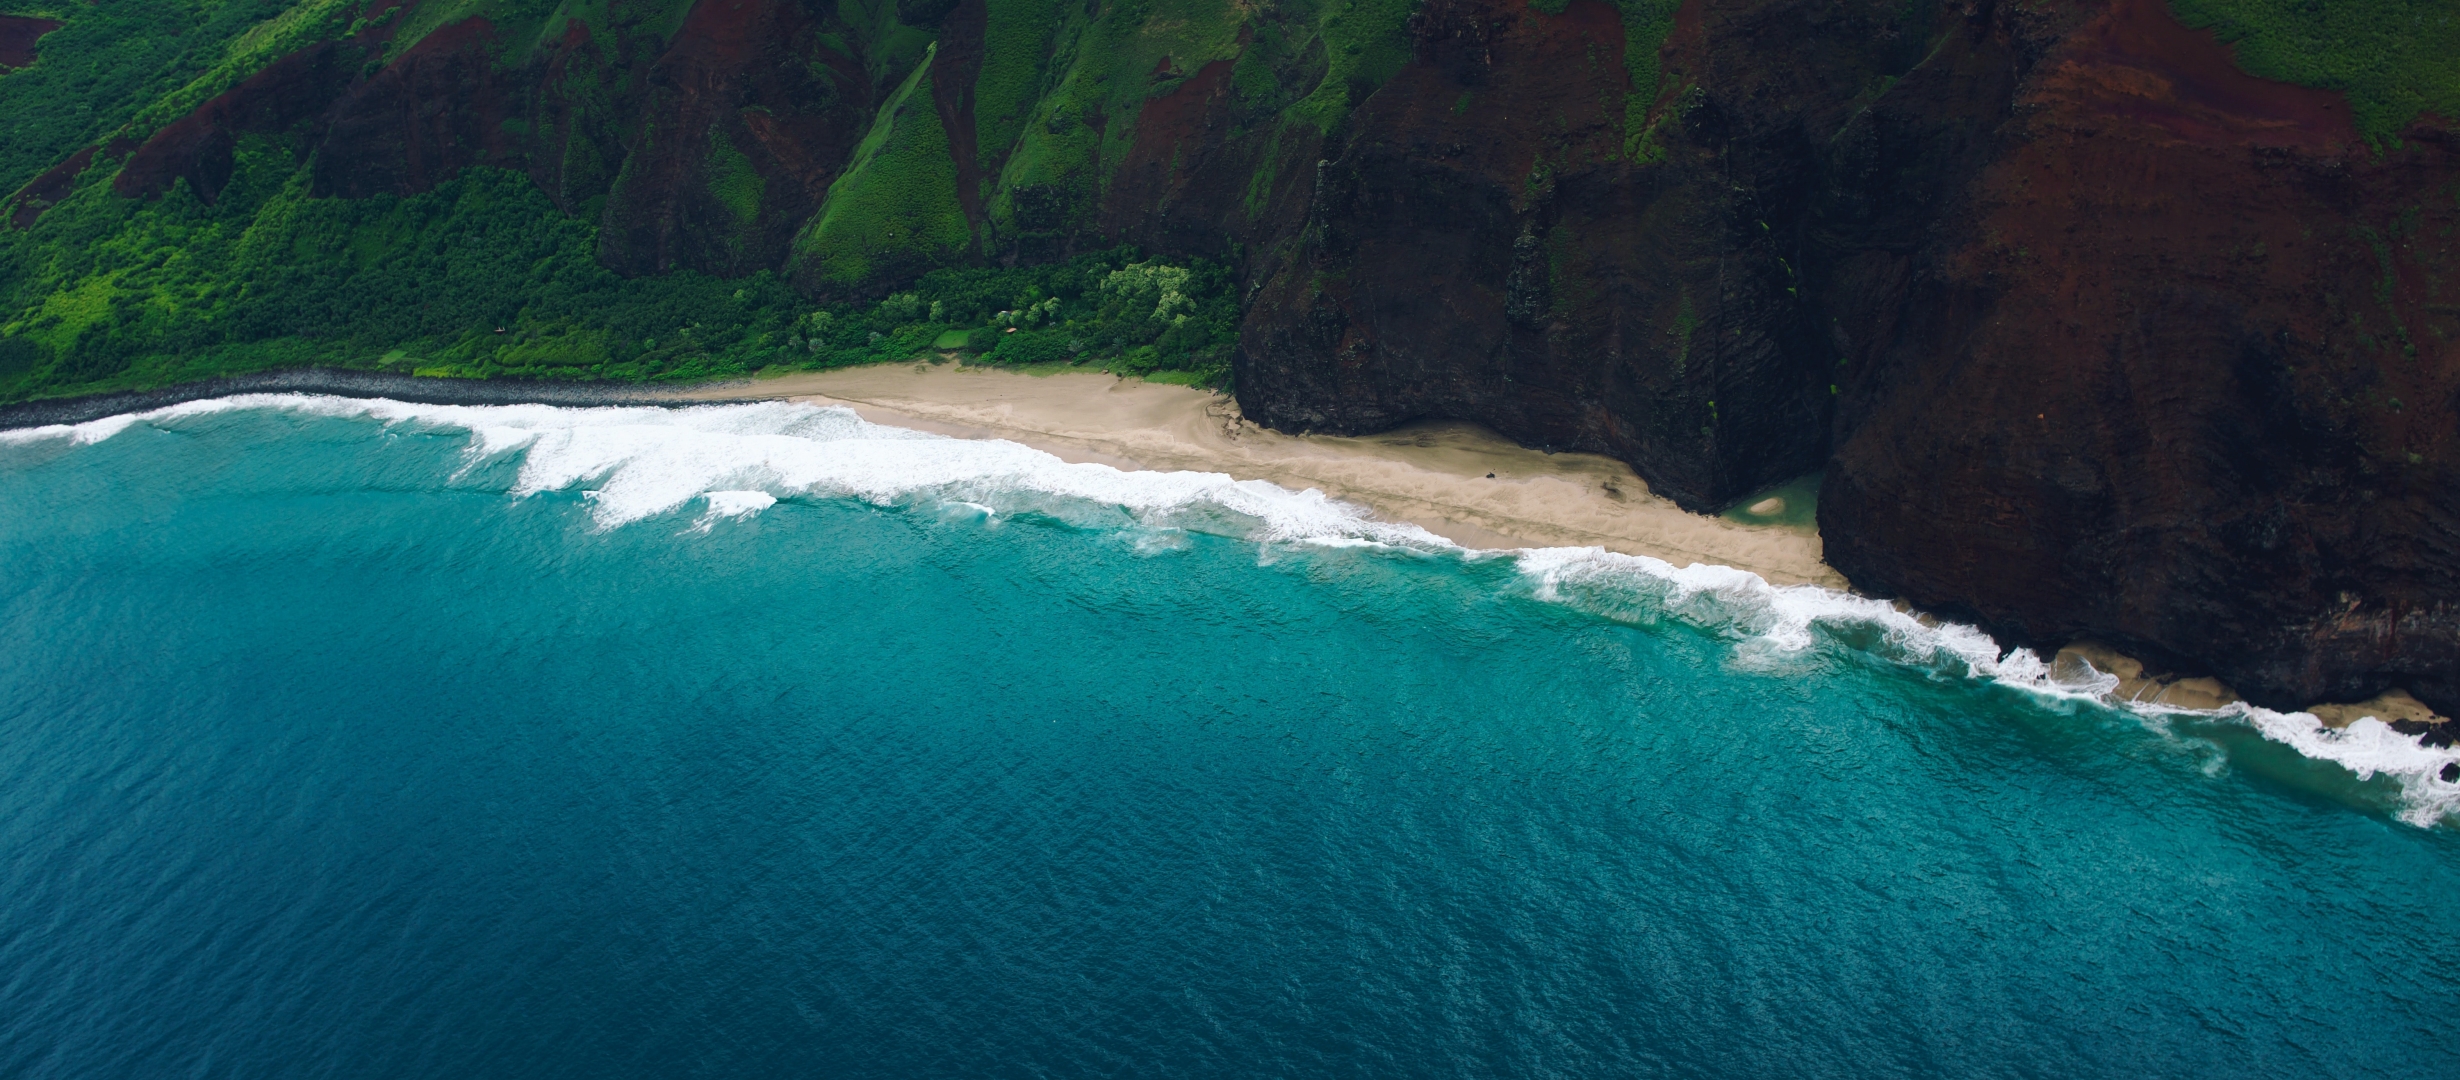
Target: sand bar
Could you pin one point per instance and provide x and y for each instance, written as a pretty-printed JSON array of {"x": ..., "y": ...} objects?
[{"x": 1433, "y": 474}]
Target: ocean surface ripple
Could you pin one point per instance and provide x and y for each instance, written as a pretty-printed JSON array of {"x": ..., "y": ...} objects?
[{"x": 355, "y": 737}]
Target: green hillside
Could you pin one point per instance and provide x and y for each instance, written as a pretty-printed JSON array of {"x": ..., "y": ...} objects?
[
  {"x": 488, "y": 274},
  {"x": 485, "y": 276},
  {"x": 2395, "y": 59}
]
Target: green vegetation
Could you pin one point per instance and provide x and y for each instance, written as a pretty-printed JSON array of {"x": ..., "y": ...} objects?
[
  {"x": 1055, "y": 117},
  {"x": 1298, "y": 64},
  {"x": 732, "y": 180},
  {"x": 104, "y": 64},
  {"x": 2394, "y": 59},
  {"x": 479, "y": 277},
  {"x": 128, "y": 67},
  {"x": 1108, "y": 310},
  {"x": 483, "y": 277},
  {"x": 1646, "y": 25},
  {"x": 895, "y": 207},
  {"x": 301, "y": 24},
  {"x": 1016, "y": 51},
  {"x": 1367, "y": 42}
]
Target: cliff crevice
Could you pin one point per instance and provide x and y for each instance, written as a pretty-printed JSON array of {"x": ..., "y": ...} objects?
[{"x": 2094, "y": 330}]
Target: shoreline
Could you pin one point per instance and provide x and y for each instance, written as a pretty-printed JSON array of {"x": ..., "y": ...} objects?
[
  {"x": 1454, "y": 479},
  {"x": 1457, "y": 480},
  {"x": 344, "y": 382}
]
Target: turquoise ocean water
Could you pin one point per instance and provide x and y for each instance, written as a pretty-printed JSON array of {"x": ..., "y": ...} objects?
[{"x": 346, "y": 738}]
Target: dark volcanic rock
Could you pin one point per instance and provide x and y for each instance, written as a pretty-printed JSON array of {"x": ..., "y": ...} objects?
[
  {"x": 18, "y": 33},
  {"x": 2158, "y": 359},
  {"x": 747, "y": 118},
  {"x": 2121, "y": 341},
  {"x": 1486, "y": 242},
  {"x": 2094, "y": 334},
  {"x": 438, "y": 108},
  {"x": 292, "y": 91},
  {"x": 342, "y": 383},
  {"x": 49, "y": 188}
]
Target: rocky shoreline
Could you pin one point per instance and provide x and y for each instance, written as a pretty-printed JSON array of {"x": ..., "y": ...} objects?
[
  {"x": 2092, "y": 332},
  {"x": 1146, "y": 433},
  {"x": 344, "y": 383}
]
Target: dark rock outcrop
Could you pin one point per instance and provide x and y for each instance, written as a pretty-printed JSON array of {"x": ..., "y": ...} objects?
[
  {"x": 18, "y": 35},
  {"x": 2094, "y": 334},
  {"x": 197, "y": 148},
  {"x": 342, "y": 383},
  {"x": 1489, "y": 241},
  {"x": 2159, "y": 357},
  {"x": 747, "y": 118},
  {"x": 53, "y": 185}
]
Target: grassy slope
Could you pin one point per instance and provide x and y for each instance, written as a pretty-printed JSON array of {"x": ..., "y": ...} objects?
[
  {"x": 106, "y": 293},
  {"x": 176, "y": 289},
  {"x": 107, "y": 62},
  {"x": 482, "y": 277},
  {"x": 2395, "y": 59},
  {"x": 896, "y": 201}
]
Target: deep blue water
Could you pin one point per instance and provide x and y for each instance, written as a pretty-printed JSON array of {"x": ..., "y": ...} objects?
[{"x": 323, "y": 752}]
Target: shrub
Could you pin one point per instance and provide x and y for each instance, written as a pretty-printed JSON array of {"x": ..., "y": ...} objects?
[{"x": 1028, "y": 347}]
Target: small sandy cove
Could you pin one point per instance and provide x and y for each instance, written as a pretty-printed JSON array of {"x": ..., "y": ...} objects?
[{"x": 1435, "y": 475}]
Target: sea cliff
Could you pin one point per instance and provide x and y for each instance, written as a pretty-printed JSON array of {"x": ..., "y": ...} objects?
[{"x": 2108, "y": 319}]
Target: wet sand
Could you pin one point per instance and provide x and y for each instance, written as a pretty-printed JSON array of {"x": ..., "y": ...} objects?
[{"x": 1435, "y": 474}]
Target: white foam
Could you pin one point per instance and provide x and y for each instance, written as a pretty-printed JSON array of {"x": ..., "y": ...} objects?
[
  {"x": 1772, "y": 623},
  {"x": 2368, "y": 747},
  {"x": 739, "y": 503},
  {"x": 88, "y": 433},
  {"x": 1773, "y": 620},
  {"x": 732, "y": 504},
  {"x": 633, "y": 463}
]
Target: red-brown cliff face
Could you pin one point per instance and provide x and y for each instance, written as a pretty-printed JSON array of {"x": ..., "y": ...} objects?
[
  {"x": 1489, "y": 241},
  {"x": 703, "y": 148},
  {"x": 18, "y": 35},
  {"x": 2093, "y": 333},
  {"x": 746, "y": 119},
  {"x": 2170, "y": 361},
  {"x": 2117, "y": 340},
  {"x": 197, "y": 148}
]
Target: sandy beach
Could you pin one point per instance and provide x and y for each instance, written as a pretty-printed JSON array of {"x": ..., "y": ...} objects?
[{"x": 1457, "y": 480}]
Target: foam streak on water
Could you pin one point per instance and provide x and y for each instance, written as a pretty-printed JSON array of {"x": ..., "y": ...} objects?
[
  {"x": 355, "y": 738},
  {"x": 634, "y": 463}
]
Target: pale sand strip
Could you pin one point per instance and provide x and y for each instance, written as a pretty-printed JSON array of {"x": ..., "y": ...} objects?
[{"x": 1431, "y": 474}]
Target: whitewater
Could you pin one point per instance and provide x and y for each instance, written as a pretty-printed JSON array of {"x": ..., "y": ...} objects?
[
  {"x": 639, "y": 462},
  {"x": 350, "y": 737}
]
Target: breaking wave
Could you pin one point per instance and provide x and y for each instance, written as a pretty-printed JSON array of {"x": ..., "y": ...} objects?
[
  {"x": 632, "y": 463},
  {"x": 1773, "y": 624}
]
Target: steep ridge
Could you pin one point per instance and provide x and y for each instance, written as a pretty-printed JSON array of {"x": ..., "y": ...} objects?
[
  {"x": 1497, "y": 240},
  {"x": 2094, "y": 333},
  {"x": 2173, "y": 363}
]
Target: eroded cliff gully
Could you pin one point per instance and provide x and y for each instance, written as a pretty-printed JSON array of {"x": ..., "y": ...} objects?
[{"x": 2093, "y": 334}]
